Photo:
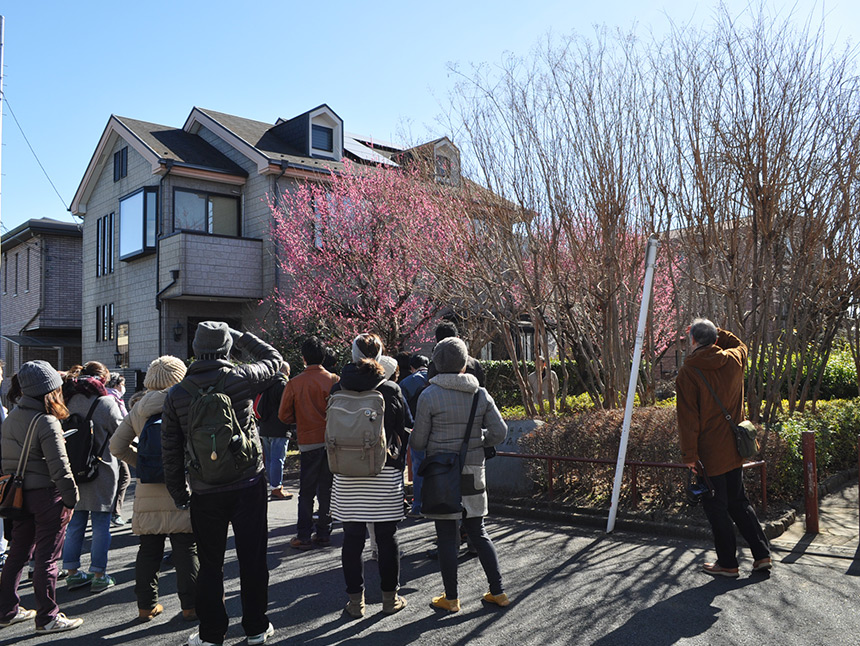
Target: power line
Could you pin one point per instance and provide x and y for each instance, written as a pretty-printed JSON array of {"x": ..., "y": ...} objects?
[{"x": 38, "y": 161}]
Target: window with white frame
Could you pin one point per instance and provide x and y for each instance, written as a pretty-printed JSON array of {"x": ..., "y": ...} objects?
[
  {"x": 120, "y": 164},
  {"x": 104, "y": 323},
  {"x": 104, "y": 245}
]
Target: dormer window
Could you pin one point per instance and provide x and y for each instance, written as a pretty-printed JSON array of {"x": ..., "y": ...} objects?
[
  {"x": 443, "y": 166},
  {"x": 322, "y": 138}
]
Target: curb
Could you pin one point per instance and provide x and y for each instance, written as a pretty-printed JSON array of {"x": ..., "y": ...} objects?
[{"x": 598, "y": 518}]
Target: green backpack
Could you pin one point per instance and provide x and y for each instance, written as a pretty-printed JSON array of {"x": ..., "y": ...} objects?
[{"x": 217, "y": 450}]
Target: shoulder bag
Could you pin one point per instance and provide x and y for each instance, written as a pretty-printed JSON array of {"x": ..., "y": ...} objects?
[
  {"x": 440, "y": 490},
  {"x": 744, "y": 432},
  {"x": 12, "y": 485}
]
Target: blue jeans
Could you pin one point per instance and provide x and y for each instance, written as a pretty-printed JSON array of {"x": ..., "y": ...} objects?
[
  {"x": 75, "y": 541},
  {"x": 274, "y": 454},
  {"x": 417, "y": 459},
  {"x": 314, "y": 481}
]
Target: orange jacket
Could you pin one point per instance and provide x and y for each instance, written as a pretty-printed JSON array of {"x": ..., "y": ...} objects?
[
  {"x": 705, "y": 432},
  {"x": 304, "y": 403}
]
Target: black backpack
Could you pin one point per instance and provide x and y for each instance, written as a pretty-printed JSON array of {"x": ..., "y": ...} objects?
[
  {"x": 150, "y": 467},
  {"x": 84, "y": 458}
]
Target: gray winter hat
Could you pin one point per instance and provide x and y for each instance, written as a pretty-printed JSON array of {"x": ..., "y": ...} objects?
[
  {"x": 212, "y": 338},
  {"x": 450, "y": 355},
  {"x": 38, "y": 378}
]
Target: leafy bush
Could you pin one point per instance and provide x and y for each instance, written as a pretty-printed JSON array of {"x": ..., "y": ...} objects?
[
  {"x": 654, "y": 438},
  {"x": 502, "y": 383}
]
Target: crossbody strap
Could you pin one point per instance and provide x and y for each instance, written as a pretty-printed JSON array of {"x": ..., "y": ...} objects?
[
  {"x": 708, "y": 384},
  {"x": 88, "y": 419},
  {"x": 28, "y": 442},
  {"x": 465, "y": 446}
]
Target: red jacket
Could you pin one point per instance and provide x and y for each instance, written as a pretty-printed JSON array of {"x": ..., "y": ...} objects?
[
  {"x": 705, "y": 433},
  {"x": 304, "y": 403}
]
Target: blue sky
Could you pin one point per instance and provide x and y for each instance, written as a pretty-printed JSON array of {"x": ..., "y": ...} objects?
[{"x": 381, "y": 65}]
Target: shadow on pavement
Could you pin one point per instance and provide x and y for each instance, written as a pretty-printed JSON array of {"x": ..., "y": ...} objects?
[{"x": 682, "y": 616}]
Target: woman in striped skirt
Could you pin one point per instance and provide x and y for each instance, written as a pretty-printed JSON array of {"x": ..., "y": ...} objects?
[{"x": 377, "y": 499}]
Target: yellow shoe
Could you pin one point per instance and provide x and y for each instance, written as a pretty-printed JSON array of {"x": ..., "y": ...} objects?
[
  {"x": 498, "y": 599},
  {"x": 443, "y": 603}
]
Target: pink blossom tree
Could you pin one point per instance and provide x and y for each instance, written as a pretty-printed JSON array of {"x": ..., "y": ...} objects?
[{"x": 355, "y": 251}]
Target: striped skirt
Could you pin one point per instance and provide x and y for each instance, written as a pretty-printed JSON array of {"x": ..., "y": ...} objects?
[{"x": 374, "y": 499}]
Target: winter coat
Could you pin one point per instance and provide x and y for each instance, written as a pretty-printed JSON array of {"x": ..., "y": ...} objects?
[
  {"x": 98, "y": 495},
  {"x": 705, "y": 434},
  {"x": 154, "y": 509},
  {"x": 266, "y": 407},
  {"x": 440, "y": 424},
  {"x": 242, "y": 384},
  {"x": 304, "y": 404},
  {"x": 48, "y": 464}
]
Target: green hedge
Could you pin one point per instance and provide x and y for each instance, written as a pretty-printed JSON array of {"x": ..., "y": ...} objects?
[
  {"x": 839, "y": 381},
  {"x": 502, "y": 383}
]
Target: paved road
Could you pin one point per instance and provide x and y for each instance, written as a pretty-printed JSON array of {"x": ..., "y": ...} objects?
[{"x": 569, "y": 586}]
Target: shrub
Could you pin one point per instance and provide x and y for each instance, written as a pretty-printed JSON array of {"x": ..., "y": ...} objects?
[
  {"x": 654, "y": 438},
  {"x": 502, "y": 383}
]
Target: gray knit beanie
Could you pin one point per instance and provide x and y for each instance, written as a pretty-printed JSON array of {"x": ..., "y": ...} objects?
[
  {"x": 212, "y": 338},
  {"x": 164, "y": 372},
  {"x": 38, "y": 378},
  {"x": 450, "y": 355}
]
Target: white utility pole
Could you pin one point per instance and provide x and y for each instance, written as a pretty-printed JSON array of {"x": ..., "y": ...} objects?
[{"x": 650, "y": 261}]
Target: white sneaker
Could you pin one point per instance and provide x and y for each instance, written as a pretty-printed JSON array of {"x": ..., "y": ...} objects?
[
  {"x": 194, "y": 640},
  {"x": 22, "y": 615},
  {"x": 60, "y": 623},
  {"x": 256, "y": 640}
]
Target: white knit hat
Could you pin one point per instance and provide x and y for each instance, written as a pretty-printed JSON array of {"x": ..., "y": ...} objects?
[{"x": 164, "y": 372}]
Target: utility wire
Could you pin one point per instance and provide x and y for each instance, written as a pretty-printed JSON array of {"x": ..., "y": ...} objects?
[{"x": 12, "y": 112}]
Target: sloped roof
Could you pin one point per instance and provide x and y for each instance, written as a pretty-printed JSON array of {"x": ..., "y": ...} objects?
[
  {"x": 176, "y": 145},
  {"x": 259, "y": 135}
]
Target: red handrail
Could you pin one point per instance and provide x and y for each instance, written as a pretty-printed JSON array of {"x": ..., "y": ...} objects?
[{"x": 634, "y": 467}]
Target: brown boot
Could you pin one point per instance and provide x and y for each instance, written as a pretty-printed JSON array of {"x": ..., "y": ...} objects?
[
  {"x": 145, "y": 614},
  {"x": 392, "y": 602},
  {"x": 355, "y": 607}
]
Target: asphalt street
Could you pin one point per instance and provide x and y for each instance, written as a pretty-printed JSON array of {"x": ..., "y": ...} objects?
[{"x": 569, "y": 585}]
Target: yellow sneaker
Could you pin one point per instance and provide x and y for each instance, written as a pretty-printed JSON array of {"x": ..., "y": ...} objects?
[
  {"x": 443, "y": 603},
  {"x": 498, "y": 599}
]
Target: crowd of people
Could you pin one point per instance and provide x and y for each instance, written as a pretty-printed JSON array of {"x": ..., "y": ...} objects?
[{"x": 208, "y": 443}]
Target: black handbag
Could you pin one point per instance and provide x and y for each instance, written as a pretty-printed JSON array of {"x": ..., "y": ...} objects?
[
  {"x": 12, "y": 485},
  {"x": 440, "y": 490},
  {"x": 745, "y": 432}
]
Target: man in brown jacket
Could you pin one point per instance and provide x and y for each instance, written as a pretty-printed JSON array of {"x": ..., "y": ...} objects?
[
  {"x": 303, "y": 403},
  {"x": 707, "y": 437}
]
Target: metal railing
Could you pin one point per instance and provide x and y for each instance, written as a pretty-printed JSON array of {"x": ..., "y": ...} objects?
[{"x": 634, "y": 465}]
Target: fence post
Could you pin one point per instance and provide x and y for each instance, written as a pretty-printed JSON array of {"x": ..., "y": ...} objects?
[
  {"x": 549, "y": 473},
  {"x": 810, "y": 482},
  {"x": 634, "y": 486}
]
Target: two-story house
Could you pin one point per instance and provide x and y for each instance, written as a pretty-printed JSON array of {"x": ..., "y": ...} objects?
[
  {"x": 176, "y": 221},
  {"x": 40, "y": 306}
]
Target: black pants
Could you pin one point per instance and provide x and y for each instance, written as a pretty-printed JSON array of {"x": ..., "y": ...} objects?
[
  {"x": 245, "y": 509},
  {"x": 388, "y": 558},
  {"x": 730, "y": 503},
  {"x": 315, "y": 480},
  {"x": 448, "y": 538},
  {"x": 149, "y": 557}
]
